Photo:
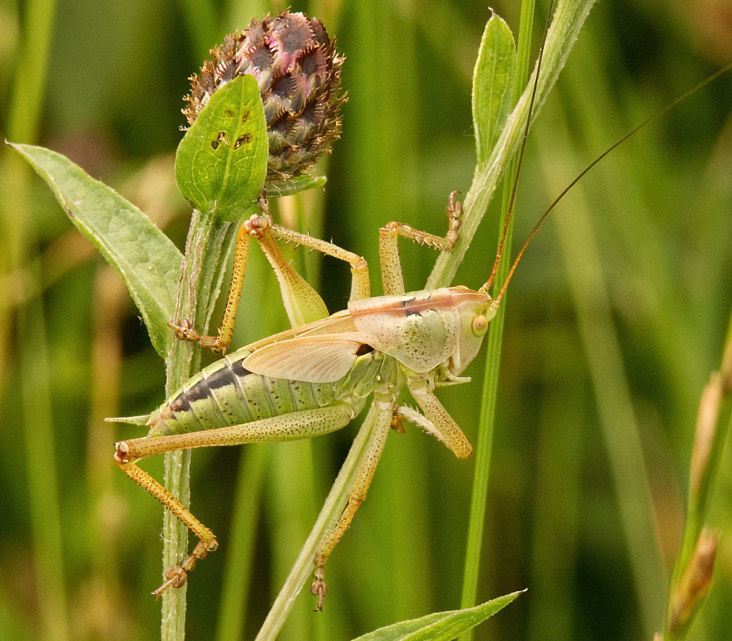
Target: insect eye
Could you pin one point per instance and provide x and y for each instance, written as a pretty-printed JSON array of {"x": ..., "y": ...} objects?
[{"x": 480, "y": 325}]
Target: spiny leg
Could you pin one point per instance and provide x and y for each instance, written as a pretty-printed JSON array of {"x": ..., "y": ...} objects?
[
  {"x": 177, "y": 575},
  {"x": 360, "y": 284},
  {"x": 297, "y": 425},
  {"x": 384, "y": 408},
  {"x": 436, "y": 420},
  {"x": 391, "y": 268},
  {"x": 302, "y": 303},
  {"x": 184, "y": 329}
]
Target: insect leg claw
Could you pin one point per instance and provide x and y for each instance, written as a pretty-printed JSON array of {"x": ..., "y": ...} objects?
[
  {"x": 319, "y": 588},
  {"x": 178, "y": 575},
  {"x": 257, "y": 224},
  {"x": 184, "y": 330}
]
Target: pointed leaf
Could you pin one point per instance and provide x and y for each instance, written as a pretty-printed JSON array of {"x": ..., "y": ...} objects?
[
  {"x": 294, "y": 185},
  {"x": 493, "y": 80},
  {"x": 221, "y": 162},
  {"x": 440, "y": 626},
  {"x": 147, "y": 259}
]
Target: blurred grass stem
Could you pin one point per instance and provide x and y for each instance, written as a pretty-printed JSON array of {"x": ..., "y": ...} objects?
[
  {"x": 692, "y": 574},
  {"x": 568, "y": 19},
  {"x": 26, "y": 102}
]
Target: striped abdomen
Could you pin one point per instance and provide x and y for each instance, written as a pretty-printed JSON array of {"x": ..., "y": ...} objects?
[{"x": 225, "y": 393}]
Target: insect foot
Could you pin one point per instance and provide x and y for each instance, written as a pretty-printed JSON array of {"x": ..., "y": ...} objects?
[
  {"x": 178, "y": 575},
  {"x": 257, "y": 224},
  {"x": 184, "y": 331},
  {"x": 319, "y": 587},
  {"x": 397, "y": 422}
]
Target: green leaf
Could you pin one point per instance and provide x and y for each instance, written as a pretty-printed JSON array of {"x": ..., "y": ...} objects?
[
  {"x": 146, "y": 258},
  {"x": 440, "y": 626},
  {"x": 294, "y": 185},
  {"x": 221, "y": 162},
  {"x": 493, "y": 79}
]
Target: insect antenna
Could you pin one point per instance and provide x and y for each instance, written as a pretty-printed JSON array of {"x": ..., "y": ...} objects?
[
  {"x": 581, "y": 175},
  {"x": 514, "y": 187}
]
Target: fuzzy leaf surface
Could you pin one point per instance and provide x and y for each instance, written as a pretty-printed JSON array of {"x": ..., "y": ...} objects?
[
  {"x": 221, "y": 162},
  {"x": 493, "y": 78},
  {"x": 440, "y": 626},
  {"x": 148, "y": 261}
]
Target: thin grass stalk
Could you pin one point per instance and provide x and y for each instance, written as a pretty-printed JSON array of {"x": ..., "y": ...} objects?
[
  {"x": 565, "y": 28},
  {"x": 26, "y": 103},
  {"x": 484, "y": 442},
  {"x": 611, "y": 388},
  {"x": 42, "y": 476},
  {"x": 238, "y": 569},
  {"x": 291, "y": 508},
  {"x": 110, "y": 298},
  {"x": 557, "y": 489}
]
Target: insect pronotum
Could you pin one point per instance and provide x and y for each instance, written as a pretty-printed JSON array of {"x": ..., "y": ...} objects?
[{"x": 316, "y": 377}]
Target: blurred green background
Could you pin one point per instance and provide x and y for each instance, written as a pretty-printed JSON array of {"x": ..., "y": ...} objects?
[{"x": 615, "y": 320}]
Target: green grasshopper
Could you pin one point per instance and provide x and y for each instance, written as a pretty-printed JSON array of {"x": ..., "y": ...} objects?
[{"x": 316, "y": 377}]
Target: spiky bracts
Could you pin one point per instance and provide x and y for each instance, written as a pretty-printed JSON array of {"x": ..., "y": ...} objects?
[{"x": 298, "y": 71}]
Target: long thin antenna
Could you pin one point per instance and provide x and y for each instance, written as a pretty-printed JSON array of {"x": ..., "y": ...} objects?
[
  {"x": 512, "y": 200},
  {"x": 658, "y": 114}
]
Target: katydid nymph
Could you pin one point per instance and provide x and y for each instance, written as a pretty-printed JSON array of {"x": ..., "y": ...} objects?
[{"x": 316, "y": 377}]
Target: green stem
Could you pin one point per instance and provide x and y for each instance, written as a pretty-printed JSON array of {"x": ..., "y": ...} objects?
[
  {"x": 238, "y": 570},
  {"x": 484, "y": 444},
  {"x": 208, "y": 245},
  {"x": 329, "y": 514},
  {"x": 568, "y": 20},
  {"x": 692, "y": 573}
]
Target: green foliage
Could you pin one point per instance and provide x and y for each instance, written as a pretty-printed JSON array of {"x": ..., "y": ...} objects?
[
  {"x": 222, "y": 160},
  {"x": 295, "y": 185},
  {"x": 145, "y": 257},
  {"x": 615, "y": 320},
  {"x": 493, "y": 85},
  {"x": 440, "y": 626}
]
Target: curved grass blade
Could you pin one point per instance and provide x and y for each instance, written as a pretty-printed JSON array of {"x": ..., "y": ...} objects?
[
  {"x": 440, "y": 626},
  {"x": 221, "y": 162},
  {"x": 148, "y": 261}
]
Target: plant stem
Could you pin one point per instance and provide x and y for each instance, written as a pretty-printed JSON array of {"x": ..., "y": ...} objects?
[
  {"x": 693, "y": 570},
  {"x": 329, "y": 514},
  {"x": 208, "y": 245},
  {"x": 568, "y": 20},
  {"x": 484, "y": 444}
]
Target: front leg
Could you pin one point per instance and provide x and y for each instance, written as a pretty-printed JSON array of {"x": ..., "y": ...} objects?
[
  {"x": 391, "y": 267},
  {"x": 302, "y": 303}
]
